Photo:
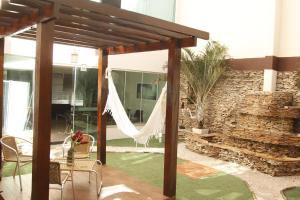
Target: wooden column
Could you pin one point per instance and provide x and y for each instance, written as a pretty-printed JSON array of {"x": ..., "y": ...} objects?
[
  {"x": 42, "y": 111},
  {"x": 173, "y": 80},
  {"x": 102, "y": 97},
  {"x": 1, "y": 94}
]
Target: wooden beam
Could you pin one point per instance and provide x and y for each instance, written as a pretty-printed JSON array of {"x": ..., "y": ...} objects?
[
  {"x": 90, "y": 35},
  {"x": 173, "y": 81},
  {"x": 8, "y": 20},
  {"x": 134, "y": 17},
  {"x": 102, "y": 97},
  {"x": 7, "y": 5},
  {"x": 29, "y": 17},
  {"x": 58, "y": 41},
  {"x": 187, "y": 42},
  {"x": 268, "y": 62},
  {"x": 31, "y": 3},
  {"x": 249, "y": 64},
  {"x": 103, "y": 33},
  {"x": 121, "y": 22},
  {"x": 5, "y": 13},
  {"x": 112, "y": 27},
  {"x": 288, "y": 63},
  {"x": 42, "y": 111},
  {"x": 1, "y": 94}
]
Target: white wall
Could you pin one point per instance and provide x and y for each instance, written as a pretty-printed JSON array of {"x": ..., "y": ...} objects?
[
  {"x": 150, "y": 61},
  {"x": 289, "y": 43},
  {"x": 249, "y": 28},
  {"x": 246, "y": 27},
  {"x": 61, "y": 54}
]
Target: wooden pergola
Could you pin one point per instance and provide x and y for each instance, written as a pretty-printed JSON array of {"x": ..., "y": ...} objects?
[{"x": 110, "y": 30}]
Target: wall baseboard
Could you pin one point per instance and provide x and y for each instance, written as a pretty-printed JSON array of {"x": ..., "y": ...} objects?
[{"x": 268, "y": 62}]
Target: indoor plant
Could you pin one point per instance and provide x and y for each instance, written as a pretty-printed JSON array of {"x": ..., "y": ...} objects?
[{"x": 202, "y": 71}]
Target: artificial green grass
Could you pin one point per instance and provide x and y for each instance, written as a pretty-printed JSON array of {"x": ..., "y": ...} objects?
[
  {"x": 148, "y": 167},
  {"x": 129, "y": 142},
  {"x": 9, "y": 168},
  {"x": 292, "y": 193}
]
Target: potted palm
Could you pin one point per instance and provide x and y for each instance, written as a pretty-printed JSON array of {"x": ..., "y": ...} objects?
[{"x": 202, "y": 71}]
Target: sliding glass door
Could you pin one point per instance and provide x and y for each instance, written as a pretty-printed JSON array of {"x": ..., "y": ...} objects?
[
  {"x": 138, "y": 92},
  {"x": 84, "y": 99}
]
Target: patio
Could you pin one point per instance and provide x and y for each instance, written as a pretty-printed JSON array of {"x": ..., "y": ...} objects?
[
  {"x": 116, "y": 185},
  {"x": 240, "y": 142},
  {"x": 109, "y": 30}
]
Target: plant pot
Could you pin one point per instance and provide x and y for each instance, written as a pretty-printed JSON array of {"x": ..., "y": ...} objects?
[{"x": 200, "y": 131}]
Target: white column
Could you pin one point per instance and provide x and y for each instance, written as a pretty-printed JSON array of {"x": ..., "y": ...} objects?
[{"x": 270, "y": 79}]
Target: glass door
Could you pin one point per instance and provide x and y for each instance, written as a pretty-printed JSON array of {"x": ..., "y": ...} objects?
[{"x": 84, "y": 99}]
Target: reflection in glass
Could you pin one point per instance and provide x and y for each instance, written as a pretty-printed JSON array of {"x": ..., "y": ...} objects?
[
  {"x": 138, "y": 92},
  {"x": 17, "y": 102}
]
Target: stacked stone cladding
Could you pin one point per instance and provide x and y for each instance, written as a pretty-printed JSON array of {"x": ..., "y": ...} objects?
[
  {"x": 254, "y": 128},
  {"x": 222, "y": 112}
]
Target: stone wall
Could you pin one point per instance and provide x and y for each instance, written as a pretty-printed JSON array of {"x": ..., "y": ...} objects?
[
  {"x": 226, "y": 97},
  {"x": 275, "y": 160},
  {"x": 251, "y": 127}
]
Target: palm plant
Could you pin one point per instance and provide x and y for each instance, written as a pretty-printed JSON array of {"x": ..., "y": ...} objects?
[{"x": 202, "y": 71}]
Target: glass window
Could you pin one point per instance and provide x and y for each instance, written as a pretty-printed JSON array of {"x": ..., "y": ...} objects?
[
  {"x": 163, "y": 9},
  {"x": 132, "y": 103},
  {"x": 17, "y": 96},
  {"x": 138, "y": 92}
]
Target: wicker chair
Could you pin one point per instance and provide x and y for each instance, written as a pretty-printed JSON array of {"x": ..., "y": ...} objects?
[
  {"x": 56, "y": 177},
  {"x": 82, "y": 151},
  {"x": 11, "y": 153}
]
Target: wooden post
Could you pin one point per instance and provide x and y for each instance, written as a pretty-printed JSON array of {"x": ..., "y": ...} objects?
[
  {"x": 173, "y": 81},
  {"x": 102, "y": 97},
  {"x": 42, "y": 111},
  {"x": 1, "y": 95}
]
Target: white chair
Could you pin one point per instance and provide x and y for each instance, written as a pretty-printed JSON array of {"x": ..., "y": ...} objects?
[
  {"x": 81, "y": 151},
  {"x": 11, "y": 153}
]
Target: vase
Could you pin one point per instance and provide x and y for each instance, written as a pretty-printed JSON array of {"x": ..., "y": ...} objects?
[{"x": 70, "y": 156}]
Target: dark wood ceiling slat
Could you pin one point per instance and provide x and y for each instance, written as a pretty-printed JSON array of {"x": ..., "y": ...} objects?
[
  {"x": 101, "y": 33},
  {"x": 29, "y": 16},
  {"x": 31, "y": 3},
  {"x": 59, "y": 40},
  {"x": 134, "y": 17},
  {"x": 4, "y": 24},
  {"x": 18, "y": 8},
  {"x": 105, "y": 31},
  {"x": 186, "y": 42},
  {"x": 72, "y": 37},
  {"x": 101, "y": 27},
  {"x": 106, "y": 19},
  {"x": 82, "y": 38},
  {"x": 74, "y": 43},
  {"x": 5, "y": 13},
  {"x": 113, "y": 28},
  {"x": 89, "y": 34},
  {"x": 8, "y": 20}
]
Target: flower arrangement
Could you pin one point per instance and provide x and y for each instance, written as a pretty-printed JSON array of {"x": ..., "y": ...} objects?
[{"x": 77, "y": 138}]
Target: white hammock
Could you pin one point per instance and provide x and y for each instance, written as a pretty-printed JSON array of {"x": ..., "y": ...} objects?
[{"x": 153, "y": 127}]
